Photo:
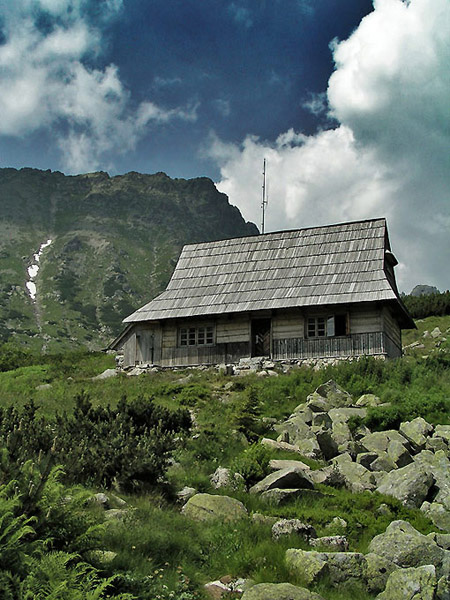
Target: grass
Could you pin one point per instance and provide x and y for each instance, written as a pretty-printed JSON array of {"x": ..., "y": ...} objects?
[{"x": 157, "y": 545}]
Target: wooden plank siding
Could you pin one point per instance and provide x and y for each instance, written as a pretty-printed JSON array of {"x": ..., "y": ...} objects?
[
  {"x": 288, "y": 325},
  {"x": 393, "y": 332},
  {"x": 359, "y": 344}
]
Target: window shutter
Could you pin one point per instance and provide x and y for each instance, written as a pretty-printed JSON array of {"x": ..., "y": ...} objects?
[{"x": 330, "y": 326}]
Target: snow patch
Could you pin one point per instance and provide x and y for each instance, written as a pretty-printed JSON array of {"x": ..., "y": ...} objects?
[{"x": 33, "y": 270}]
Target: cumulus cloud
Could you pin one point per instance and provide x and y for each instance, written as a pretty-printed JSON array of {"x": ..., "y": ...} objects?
[
  {"x": 47, "y": 81},
  {"x": 387, "y": 155}
]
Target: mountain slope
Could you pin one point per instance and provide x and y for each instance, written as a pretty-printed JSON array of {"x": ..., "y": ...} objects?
[{"x": 114, "y": 244}]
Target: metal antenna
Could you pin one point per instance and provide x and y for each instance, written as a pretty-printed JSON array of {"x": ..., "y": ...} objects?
[{"x": 264, "y": 197}]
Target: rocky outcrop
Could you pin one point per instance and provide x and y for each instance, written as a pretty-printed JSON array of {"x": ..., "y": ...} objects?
[{"x": 279, "y": 591}]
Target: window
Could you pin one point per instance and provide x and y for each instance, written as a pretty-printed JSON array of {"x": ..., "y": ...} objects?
[
  {"x": 196, "y": 336},
  {"x": 331, "y": 326}
]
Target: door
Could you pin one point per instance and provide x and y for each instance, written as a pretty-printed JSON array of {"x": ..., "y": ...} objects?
[{"x": 261, "y": 337}]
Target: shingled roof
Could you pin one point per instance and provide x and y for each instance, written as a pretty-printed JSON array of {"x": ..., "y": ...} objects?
[{"x": 304, "y": 267}]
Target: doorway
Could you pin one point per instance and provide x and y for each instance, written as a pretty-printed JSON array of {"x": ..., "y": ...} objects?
[{"x": 261, "y": 337}]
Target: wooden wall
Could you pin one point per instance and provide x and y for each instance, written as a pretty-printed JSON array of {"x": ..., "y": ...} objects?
[
  {"x": 392, "y": 329},
  {"x": 288, "y": 325}
]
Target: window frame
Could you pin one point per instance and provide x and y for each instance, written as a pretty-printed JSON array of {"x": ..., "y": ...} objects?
[
  {"x": 198, "y": 335},
  {"x": 317, "y": 327}
]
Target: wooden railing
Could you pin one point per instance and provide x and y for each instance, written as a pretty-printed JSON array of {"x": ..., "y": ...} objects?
[{"x": 357, "y": 344}]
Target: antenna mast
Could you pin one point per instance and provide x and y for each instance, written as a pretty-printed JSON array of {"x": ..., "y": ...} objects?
[{"x": 264, "y": 198}]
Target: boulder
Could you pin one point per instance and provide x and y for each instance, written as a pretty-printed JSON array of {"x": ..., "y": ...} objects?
[
  {"x": 436, "y": 333},
  {"x": 293, "y": 526},
  {"x": 399, "y": 454},
  {"x": 184, "y": 494},
  {"x": 277, "y": 497},
  {"x": 383, "y": 462},
  {"x": 366, "y": 459},
  {"x": 328, "y": 476},
  {"x": 438, "y": 514},
  {"x": 379, "y": 440},
  {"x": 442, "y": 432},
  {"x": 339, "y": 567},
  {"x": 224, "y": 478},
  {"x": 331, "y": 542},
  {"x": 327, "y": 444},
  {"x": 341, "y": 434},
  {"x": 407, "y": 547},
  {"x": 207, "y": 507},
  {"x": 335, "y": 396},
  {"x": 105, "y": 375},
  {"x": 277, "y": 465},
  {"x": 279, "y": 591},
  {"x": 261, "y": 519},
  {"x": 291, "y": 477},
  {"x": 414, "y": 583},
  {"x": 416, "y": 432},
  {"x": 308, "y": 566},
  {"x": 321, "y": 419},
  {"x": 368, "y": 400},
  {"x": 342, "y": 415},
  {"x": 337, "y": 524},
  {"x": 295, "y": 428},
  {"x": 356, "y": 477},
  {"x": 409, "y": 484},
  {"x": 439, "y": 465},
  {"x": 377, "y": 572},
  {"x": 281, "y": 446}
]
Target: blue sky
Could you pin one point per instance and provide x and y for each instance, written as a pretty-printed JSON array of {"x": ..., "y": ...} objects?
[{"x": 346, "y": 99}]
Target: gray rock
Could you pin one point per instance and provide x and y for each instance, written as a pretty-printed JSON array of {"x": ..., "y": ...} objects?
[
  {"x": 186, "y": 493},
  {"x": 341, "y": 433},
  {"x": 443, "y": 588},
  {"x": 436, "y": 443},
  {"x": 293, "y": 526},
  {"x": 436, "y": 333},
  {"x": 413, "y": 583},
  {"x": 383, "y": 462},
  {"x": 116, "y": 514},
  {"x": 308, "y": 566},
  {"x": 277, "y": 465},
  {"x": 439, "y": 465},
  {"x": 281, "y": 446},
  {"x": 379, "y": 440},
  {"x": 277, "y": 496},
  {"x": 368, "y": 400},
  {"x": 105, "y": 375},
  {"x": 416, "y": 432},
  {"x": 343, "y": 415},
  {"x": 264, "y": 519},
  {"x": 399, "y": 454},
  {"x": 44, "y": 386},
  {"x": 279, "y": 591},
  {"x": 377, "y": 572},
  {"x": 335, "y": 395},
  {"x": 337, "y": 524},
  {"x": 327, "y": 444},
  {"x": 409, "y": 484},
  {"x": 331, "y": 542},
  {"x": 100, "y": 499},
  {"x": 443, "y": 432},
  {"x": 366, "y": 459},
  {"x": 356, "y": 477},
  {"x": 207, "y": 507},
  {"x": 339, "y": 567},
  {"x": 438, "y": 514},
  {"x": 284, "y": 478},
  {"x": 224, "y": 478},
  {"x": 406, "y": 547},
  {"x": 328, "y": 476},
  {"x": 321, "y": 419}
]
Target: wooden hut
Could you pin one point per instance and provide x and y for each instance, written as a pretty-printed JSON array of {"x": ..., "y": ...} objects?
[{"x": 321, "y": 292}]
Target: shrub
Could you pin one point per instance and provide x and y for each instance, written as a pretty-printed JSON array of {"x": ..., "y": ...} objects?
[{"x": 253, "y": 463}]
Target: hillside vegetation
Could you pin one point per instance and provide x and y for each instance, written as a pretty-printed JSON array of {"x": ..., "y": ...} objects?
[
  {"x": 139, "y": 440},
  {"x": 114, "y": 244}
]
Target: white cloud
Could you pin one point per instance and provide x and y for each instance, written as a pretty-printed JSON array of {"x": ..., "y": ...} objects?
[
  {"x": 241, "y": 15},
  {"x": 387, "y": 156},
  {"x": 45, "y": 82}
]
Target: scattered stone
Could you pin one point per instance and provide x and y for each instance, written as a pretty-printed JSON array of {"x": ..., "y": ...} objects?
[
  {"x": 406, "y": 547},
  {"x": 103, "y": 557},
  {"x": 368, "y": 400},
  {"x": 331, "y": 542},
  {"x": 135, "y": 372},
  {"x": 321, "y": 419},
  {"x": 327, "y": 443},
  {"x": 377, "y": 572},
  {"x": 186, "y": 493},
  {"x": 44, "y": 386},
  {"x": 416, "y": 432},
  {"x": 293, "y": 526},
  {"x": 284, "y": 479},
  {"x": 309, "y": 566},
  {"x": 442, "y": 432},
  {"x": 116, "y": 514},
  {"x": 277, "y": 465},
  {"x": 264, "y": 519},
  {"x": 379, "y": 440},
  {"x": 409, "y": 484},
  {"x": 105, "y": 375},
  {"x": 337, "y": 523},
  {"x": 277, "y": 496},
  {"x": 342, "y": 415},
  {"x": 383, "y": 462},
  {"x": 279, "y": 591},
  {"x": 436, "y": 333},
  {"x": 399, "y": 454},
  {"x": 439, "y": 465},
  {"x": 413, "y": 583},
  {"x": 100, "y": 499},
  {"x": 281, "y": 446},
  {"x": 366, "y": 459},
  {"x": 224, "y": 478},
  {"x": 207, "y": 507},
  {"x": 328, "y": 476},
  {"x": 356, "y": 477},
  {"x": 438, "y": 514},
  {"x": 335, "y": 395}
]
